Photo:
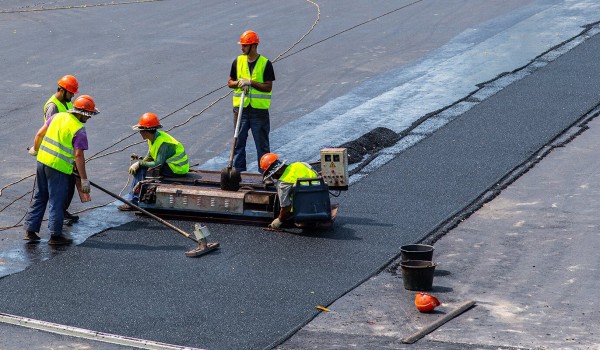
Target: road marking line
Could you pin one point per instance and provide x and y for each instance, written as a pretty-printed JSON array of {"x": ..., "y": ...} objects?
[{"x": 88, "y": 334}]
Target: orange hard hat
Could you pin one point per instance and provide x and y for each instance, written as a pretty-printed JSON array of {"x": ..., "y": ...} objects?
[
  {"x": 148, "y": 121},
  {"x": 266, "y": 160},
  {"x": 69, "y": 83},
  {"x": 269, "y": 164},
  {"x": 85, "y": 105},
  {"x": 248, "y": 37},
  {"x": 426, "y": 302}
]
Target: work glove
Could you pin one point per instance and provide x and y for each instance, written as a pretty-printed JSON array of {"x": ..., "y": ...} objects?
[
  {"x": 32, "y": 151},
  {"x": 134, "y": 168},
  {"x": 85, "y": 186},
  {"x": 243, "y": 82},
  {"x": 275, "y": 224}
]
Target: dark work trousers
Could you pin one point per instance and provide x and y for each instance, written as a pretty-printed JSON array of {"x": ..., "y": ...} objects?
[
  {"x": 140, "y": 175},
  {"x": 258, "y": 121},
  {"x": 51, "y": 190}
]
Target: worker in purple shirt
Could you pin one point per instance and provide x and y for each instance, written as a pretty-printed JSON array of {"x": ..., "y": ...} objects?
[{"x": 59, "y": 146}]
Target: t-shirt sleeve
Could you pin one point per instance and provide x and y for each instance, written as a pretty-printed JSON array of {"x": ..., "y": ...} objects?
[
  {"x": 80, "y": 140},
  {"x": 233, "y": 72},
  {"x": 269, "y": 74},
  {"x": 51, "y": 110}
]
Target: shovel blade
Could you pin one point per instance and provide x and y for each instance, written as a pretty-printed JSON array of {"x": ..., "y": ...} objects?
[{"x": 230, "y": 179}]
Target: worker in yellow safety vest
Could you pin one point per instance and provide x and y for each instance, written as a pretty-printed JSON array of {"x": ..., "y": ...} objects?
[
  {"x": 165, "y": 154},
  {"x": 285, "y": 177},
  {"x": 59, "y": 146},
  {"x": 252, "y": 73},
  {"x": 60, "y": 101}
]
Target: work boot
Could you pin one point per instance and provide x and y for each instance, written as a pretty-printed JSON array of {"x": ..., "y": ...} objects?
[
  {"x": 126, "y": 207},
  {"x": 59, "y": 240},
  {"x": 31, "y": 237},
  {"x": 71, "y": 217}
]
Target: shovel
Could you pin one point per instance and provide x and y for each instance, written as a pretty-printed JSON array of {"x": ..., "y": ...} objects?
[{"x": 230, "y": 176}]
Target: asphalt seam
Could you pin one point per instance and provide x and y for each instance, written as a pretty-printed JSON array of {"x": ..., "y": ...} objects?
[
  {"x": 88, "y": 334},
  {"x": 431, "y": 122}
]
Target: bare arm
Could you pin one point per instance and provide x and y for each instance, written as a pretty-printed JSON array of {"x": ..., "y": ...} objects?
[
  {"x": 37, "y": 141},
  {"x": 80, "y": 163}
]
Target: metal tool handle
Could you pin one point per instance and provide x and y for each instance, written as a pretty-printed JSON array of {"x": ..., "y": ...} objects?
[{"x": 168, "y": 224}]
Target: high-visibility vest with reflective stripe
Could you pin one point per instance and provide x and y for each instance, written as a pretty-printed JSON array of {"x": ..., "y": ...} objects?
[
  {"x": 256, "y": 98},
  {"x": 178, "y": 163},
  {"x": 56, "y": 150},
  {"x": 61, "y": 107},
  {"x": 297, "y": 170}
]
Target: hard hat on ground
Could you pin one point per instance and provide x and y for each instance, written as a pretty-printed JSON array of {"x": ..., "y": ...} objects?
[
  {"x": 426, "y": 302},
  {"x": 85, "y": 105},
  {"x": 269, "y": 164},
  {"x": 148, "y": 121},
  {"x": 69, "y": 83},
  {"x": 249, "y": 37}
]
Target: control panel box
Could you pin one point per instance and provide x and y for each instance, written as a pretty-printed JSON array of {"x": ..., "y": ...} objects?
[{"x": 334, "y": 168}]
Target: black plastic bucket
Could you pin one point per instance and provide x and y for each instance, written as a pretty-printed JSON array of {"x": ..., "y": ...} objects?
[
  {"x": 416, "y": 252},
  {"x": 417, "y": 274}
]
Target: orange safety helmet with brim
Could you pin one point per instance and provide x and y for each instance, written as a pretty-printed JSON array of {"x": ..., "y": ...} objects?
[
  {"x": 426, "y": 302},
  {"x": 249, "y": 37},
  {"x": 269, "y": 164},
  {"x": 85, "y": 105},
  {"x": 69, "y": 83},
  {"x": 148, "y": 121}
]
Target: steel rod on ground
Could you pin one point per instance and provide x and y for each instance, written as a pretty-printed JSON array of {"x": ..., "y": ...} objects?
[{"x": 433, "y": 326}]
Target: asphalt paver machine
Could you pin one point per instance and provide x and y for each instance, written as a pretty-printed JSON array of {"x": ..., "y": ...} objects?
[{"x": 198, "y": 195}]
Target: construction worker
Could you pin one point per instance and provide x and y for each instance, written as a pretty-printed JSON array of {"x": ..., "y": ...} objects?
[
  {"x": 165, "y": 154},
  {"x": 254, "y": 74},
  {"x": 285, "y": 177},
  {"x": 60, "y": 101},
  {"x": 59, "y": 146}
]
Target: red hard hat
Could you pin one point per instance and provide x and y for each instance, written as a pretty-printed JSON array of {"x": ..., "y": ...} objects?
[
  {"x": 85, "y": 105},
  {"x": 148, "y": 121},
  {"x": 426, "y": 302},
  {"x": 248, "y": 37},
  {"x": 69, "y": 83}
]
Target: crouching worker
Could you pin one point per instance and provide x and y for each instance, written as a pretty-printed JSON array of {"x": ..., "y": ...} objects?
[
  {"x": 285, "y": 177},
  {"x": 165, "y": 154}
]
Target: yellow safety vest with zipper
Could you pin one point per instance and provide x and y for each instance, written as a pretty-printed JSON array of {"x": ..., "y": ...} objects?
[
  {"x": 255, "y": 98},
  {"x": 178, "y": 163},
  {"x": 56, "y": 150},
  {"x": 61, "y": 107}
]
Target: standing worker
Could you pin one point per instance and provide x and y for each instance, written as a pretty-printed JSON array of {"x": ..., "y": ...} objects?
[
  {"x": 59, "y": 146},
  {"x": 254, "y": 74},
  {"x": 285, "y": 177},
  {"x": 164, "y": 153},
  {"x": 60, "y": 101}
]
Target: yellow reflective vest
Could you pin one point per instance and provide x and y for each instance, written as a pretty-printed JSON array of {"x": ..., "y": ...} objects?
[
  {"x": 255, "y": 98},
  {"x": 61, "y": 107},
  {"x": 178, "y": 163},
  {"x": 56, "y": 150},
  {"x": 297, "y": 170}
]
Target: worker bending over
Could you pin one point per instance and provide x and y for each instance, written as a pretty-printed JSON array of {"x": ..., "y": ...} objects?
[
  {"x": 165, "y": 154},
  {"x": 59, "y": 146},
  {"x": 285, "y": 177}
]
